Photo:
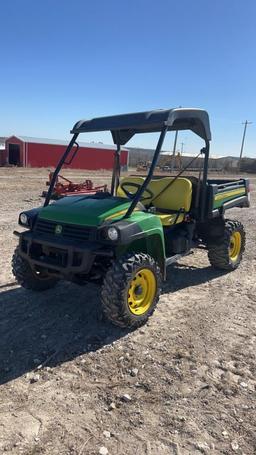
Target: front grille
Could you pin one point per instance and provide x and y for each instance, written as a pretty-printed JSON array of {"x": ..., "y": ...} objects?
[{"x": 68, "y": 231}]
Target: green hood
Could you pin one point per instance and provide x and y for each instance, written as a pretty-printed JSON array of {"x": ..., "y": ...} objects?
[{"x": 85, "y": 210}]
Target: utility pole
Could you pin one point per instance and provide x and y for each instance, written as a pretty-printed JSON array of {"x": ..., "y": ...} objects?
[
  {"x": 174, "y": 150},
  {"x": 182, "y": 147},
  {"x": 242, "y": 145}
]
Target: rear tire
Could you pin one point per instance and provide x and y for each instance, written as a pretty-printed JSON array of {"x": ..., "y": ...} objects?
[
  {"x": 131, "y": 290},
  {"x": 27, "y": 277},
  {"x": 228, "y": 251}
]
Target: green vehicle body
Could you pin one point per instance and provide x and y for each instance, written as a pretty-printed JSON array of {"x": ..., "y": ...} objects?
[
  {"x": 99, "y": 214},
  {"x": 139, "y": 230},
  {"x": 148, "y": 236}
]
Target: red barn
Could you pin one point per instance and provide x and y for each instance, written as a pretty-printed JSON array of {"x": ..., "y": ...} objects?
[{"x": 36, "y": 152}]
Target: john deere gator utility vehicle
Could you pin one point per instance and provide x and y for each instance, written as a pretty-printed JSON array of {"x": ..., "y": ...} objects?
[{"x": 127, "y": 237}]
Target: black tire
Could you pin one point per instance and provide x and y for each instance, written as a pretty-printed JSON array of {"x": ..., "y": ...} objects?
[
  {"x": 29, "y": 279},
  {"x": 219, "y": 254},
  {"x": 117, "y": 283}
]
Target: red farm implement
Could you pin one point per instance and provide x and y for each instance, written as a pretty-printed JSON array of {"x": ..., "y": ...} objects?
[{"x": 65, "y": 187}]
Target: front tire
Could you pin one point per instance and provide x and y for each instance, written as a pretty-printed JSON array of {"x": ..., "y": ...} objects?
[
  {"x": 131, "y": 290},
  {"x": 228, "y": 251},
  {"x": 27, "y": 277}
]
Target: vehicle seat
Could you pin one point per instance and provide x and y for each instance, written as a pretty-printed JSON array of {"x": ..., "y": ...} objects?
[{"x": 172, "y": 204}]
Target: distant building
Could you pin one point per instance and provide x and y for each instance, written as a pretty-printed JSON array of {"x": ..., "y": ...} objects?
[
  {"x": 248, "y": 165},
  {"x": 39, "y": 152},
  {"x": 2, "y": 150},
  {"x": 216, "y": 162}
]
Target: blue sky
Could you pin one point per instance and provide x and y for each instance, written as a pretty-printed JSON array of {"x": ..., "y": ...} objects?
[{"x": 65, "y": 60}]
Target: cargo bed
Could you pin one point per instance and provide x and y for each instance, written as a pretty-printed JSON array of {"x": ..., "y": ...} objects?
[{"x": 225, "y": 194}]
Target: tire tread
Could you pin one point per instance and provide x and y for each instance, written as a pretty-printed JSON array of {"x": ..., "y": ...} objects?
[
  {"x": 25, "y": 276},
  {"x": 219, "y": 254},
  {"x": 114, "y": 289}
]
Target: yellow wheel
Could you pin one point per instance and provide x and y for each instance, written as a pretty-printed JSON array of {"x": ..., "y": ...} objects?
[
  {"x": 226, "y": 251},
  {"x": 235, "y": 246},
  {"x": 131, "y": 290},
  {"x": 142, "y": 291}
]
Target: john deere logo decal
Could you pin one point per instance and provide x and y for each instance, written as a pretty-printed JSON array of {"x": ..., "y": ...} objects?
[{"x": 58, "y": 229}]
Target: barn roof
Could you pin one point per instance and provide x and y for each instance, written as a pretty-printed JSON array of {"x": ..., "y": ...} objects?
[{"x": 47, "y": 141}]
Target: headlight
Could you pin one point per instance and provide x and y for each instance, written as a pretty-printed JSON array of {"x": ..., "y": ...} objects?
[
  {"x": 112, "y": 233},
  {"x": 24, "y": 219},
  {"x": 27, "y": 219}
]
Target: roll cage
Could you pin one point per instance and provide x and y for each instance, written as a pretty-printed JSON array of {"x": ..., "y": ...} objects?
[{"x": 124, "y": 127}]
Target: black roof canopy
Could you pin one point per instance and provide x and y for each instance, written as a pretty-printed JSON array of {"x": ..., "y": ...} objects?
[{"x": 123, "y": 127}]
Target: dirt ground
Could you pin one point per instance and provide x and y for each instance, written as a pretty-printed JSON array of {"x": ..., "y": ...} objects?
[{"x": 72, "y": 384}]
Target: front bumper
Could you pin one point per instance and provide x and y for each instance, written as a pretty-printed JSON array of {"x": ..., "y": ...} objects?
[{"x": 60, "y": 256}]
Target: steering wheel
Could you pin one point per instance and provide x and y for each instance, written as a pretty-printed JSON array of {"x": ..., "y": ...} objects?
[{"x": 138, "y": 186}]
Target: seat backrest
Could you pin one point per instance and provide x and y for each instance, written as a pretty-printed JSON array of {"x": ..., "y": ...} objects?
[{"x": 177, "y": 196}]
